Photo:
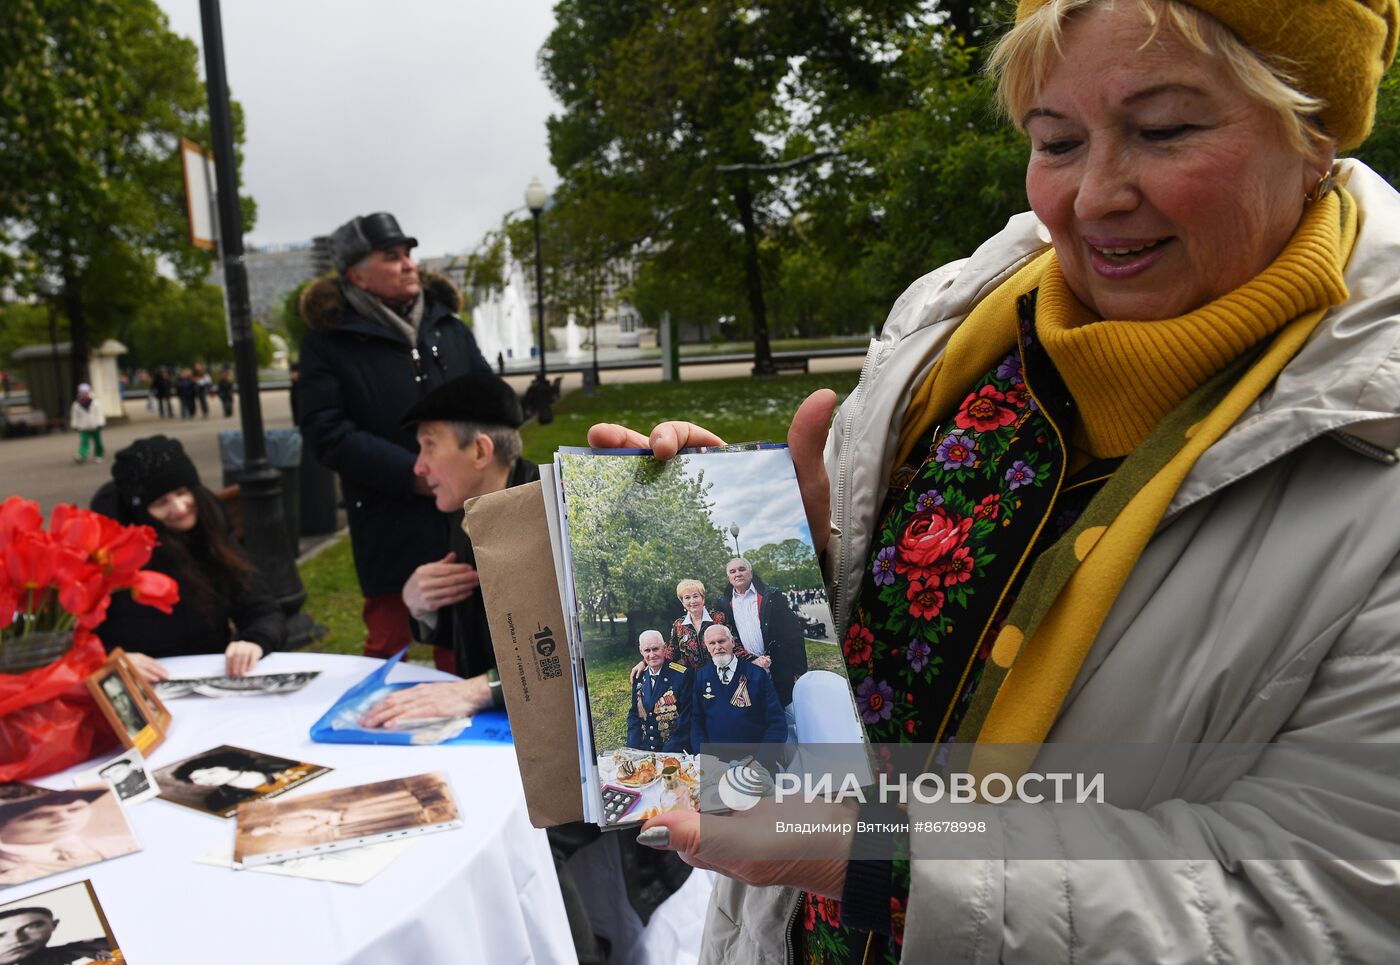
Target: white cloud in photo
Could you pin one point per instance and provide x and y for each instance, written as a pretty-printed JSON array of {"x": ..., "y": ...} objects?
[{"x": 757, "y": 490}]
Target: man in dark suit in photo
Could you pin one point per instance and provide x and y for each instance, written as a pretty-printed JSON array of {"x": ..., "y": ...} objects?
[
  {"x": 659, "y": 716},
  {"x": 735, "y": 701},
  {"x": 765, "y": 626}
]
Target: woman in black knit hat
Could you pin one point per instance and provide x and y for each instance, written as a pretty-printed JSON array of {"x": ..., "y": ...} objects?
[{"x": 223, "y": 607}]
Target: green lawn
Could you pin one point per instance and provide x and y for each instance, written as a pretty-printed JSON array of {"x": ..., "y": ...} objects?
[{"x": 739, "y": 410}]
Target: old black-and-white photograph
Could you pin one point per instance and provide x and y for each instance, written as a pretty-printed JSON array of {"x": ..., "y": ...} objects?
[
  {"x": 127, "y": 774},
  {"x": 43, "y": 831},
  {"x": 216, "y": 781},
  {"x": 251, "y": 685},
  {"x": 58, "y": 927}
]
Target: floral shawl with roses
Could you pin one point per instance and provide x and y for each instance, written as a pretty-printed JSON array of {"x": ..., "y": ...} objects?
[{"x": 979, "y": 506}]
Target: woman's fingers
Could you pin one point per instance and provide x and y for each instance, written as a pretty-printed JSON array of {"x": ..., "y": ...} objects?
[
  {"x": 665, "y": 440},
  {"x": 607, "y": 435},
  {"x": 148, "y": 667},
  {"x": 807, "y": 442},
  {"x": 669, "y": 438},
  {"x": 240, "y": 657}
]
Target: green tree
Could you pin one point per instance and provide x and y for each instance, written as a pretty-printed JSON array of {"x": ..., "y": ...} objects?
[
  {"x": 690, "y": 121},
  {"x": 182, "y": 324},
  {"x": 1382, "y": 149},
  {"x": 94, "y": 97},
  {"x": 788, "y": 565},
  {"x": 794, "y": 163}
]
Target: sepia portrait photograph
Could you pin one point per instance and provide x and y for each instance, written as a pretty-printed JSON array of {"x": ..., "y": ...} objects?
[
  {"x": 43, "y": 832},
  {"x": 216, "y": 781},
  {"x": 344, "y": 818},
  {"x": 64, "y": 926}
]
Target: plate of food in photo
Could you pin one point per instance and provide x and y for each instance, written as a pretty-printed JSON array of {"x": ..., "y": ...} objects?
[{"x": 637, "y": 774}]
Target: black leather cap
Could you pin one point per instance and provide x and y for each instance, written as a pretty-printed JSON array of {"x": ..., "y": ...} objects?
[
  {"x": 476, "y": 397},
  {"x": 355, "y": 239}
]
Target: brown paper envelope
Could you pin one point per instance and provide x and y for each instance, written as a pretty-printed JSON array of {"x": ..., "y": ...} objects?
[{"x": 510, "y": 539}]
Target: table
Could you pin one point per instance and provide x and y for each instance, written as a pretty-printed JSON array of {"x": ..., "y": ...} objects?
[{"x": 486, "y": 892}]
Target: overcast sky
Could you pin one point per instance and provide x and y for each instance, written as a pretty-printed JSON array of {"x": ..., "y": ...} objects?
[
  {"x": 757, "y": 490},
  {"x": 433, "y": 110}
]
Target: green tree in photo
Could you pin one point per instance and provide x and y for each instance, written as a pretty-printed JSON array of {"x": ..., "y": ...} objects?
[
  {"x": 636, "y": 530},
  {"x": 789, "y": 565}
]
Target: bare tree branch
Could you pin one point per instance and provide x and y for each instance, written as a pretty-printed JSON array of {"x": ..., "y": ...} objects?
[{"x": 796, "y": 162}]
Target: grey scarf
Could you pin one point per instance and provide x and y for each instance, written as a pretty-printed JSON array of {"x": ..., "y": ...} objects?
[{"x": 370, "y": 307}]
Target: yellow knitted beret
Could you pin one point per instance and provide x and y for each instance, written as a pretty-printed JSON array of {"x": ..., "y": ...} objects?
[{"x": 1337, "y": 50}]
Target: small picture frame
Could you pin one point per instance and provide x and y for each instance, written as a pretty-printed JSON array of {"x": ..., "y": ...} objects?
[
  {"x": 158, "y": 712},
  {"x": 69, "y": 923},
  {"x": 131, "y": 707}
]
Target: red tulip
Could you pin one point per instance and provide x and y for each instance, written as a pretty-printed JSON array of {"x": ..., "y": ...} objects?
[
  {"x": 18, "y": 516},
  {"x": 155, "y": 589},
  {"x": 125, "y": 553},
  {"x": 82, "y": 594},
  {"x": 31, "y": 561}
]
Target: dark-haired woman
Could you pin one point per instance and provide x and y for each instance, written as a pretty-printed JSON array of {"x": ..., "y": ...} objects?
[{"x": 223, "y": 608}]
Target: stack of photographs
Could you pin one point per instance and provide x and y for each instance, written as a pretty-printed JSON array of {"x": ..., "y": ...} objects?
[{"x": 700, "y": 634}]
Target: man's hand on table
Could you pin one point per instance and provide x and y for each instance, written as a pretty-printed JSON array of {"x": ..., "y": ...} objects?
[
  {"x": 148, "y": 667},
  {"x": 460, "y": 698}
]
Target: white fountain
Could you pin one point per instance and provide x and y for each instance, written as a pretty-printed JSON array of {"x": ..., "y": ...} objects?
[{"x": 501, "y": 321}]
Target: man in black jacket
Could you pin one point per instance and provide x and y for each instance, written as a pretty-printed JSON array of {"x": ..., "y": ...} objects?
[
  {"x": 380, "y": 336},
  {"x": 766, "y": 626},
  {"x": 468, "y": 445}
]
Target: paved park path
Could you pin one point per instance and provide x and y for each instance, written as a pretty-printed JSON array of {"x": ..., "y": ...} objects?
[{"x": 42, "y": 468}]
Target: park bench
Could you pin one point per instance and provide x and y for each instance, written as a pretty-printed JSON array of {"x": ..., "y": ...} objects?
[
  {"x": 24, "y": 421},
  {"x": 790, "y": 364}
]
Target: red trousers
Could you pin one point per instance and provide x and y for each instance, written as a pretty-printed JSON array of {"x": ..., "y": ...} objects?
[{"x": 387, "y": 631}]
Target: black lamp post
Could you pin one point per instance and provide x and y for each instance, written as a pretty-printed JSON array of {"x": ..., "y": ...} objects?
[
  {"x": 539, "y": 391},
  {"x": 260, "y": 484}
]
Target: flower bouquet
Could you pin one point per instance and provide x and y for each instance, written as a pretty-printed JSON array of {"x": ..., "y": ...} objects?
[{"x": 55, "y": 587}]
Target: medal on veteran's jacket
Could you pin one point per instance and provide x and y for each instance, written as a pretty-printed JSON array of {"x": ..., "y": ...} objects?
[{"x": 741, "y": 695}]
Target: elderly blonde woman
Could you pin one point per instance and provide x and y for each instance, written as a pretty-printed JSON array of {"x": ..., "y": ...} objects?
[
  {"x": 688, "y": 631},
  {"x": 1126, "y": 474}
]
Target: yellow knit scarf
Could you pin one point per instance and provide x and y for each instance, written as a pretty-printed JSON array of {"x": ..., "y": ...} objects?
[{"x": 1288, "y": 298}]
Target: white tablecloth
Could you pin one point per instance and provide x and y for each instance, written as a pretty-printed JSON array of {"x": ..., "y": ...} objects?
[{"x": 483, "y": 893}]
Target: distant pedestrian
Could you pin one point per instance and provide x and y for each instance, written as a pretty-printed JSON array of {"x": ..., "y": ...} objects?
[
  {"x": 203, "y": 385},
  {"x": 4, "y": 385},
  {"x": 87, "y": 417},
  {"x": 161, "y": 389},
  {"x": 185, "y": 388},
  {"x": 226, "y": 391}
]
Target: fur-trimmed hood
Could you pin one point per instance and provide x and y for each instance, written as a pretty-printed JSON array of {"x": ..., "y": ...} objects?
[{"x": 322, "y": 304}]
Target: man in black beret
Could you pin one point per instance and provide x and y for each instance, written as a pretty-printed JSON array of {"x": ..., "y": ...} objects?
[
  {"x": 379, "y": 337},
  {"x": 468, "y": 445}
]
